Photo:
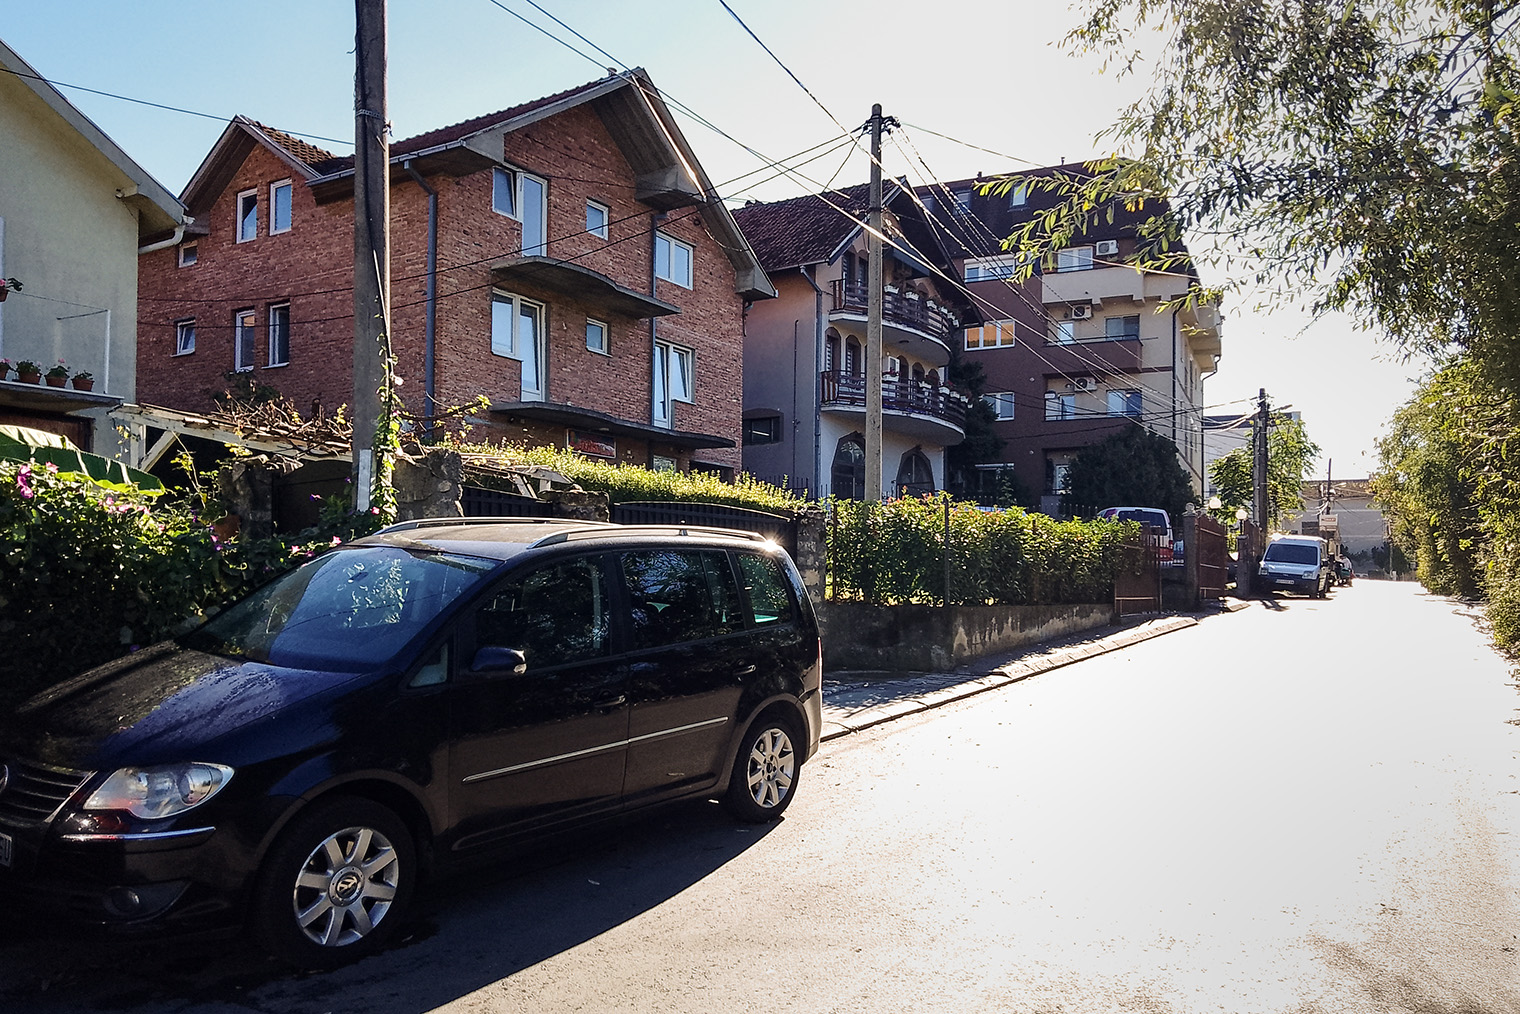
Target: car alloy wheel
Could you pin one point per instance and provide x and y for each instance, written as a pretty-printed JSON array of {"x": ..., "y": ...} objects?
[
  {"x": 764, "y": 777},
  {"x": 346, "y": 886}
]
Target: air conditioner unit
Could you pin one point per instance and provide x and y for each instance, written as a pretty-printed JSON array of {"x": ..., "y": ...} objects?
[
  {"x": 1108, "y": 247},
  {"x": 1081, "y": 312},
  {"x": 1082, "y": 384}
]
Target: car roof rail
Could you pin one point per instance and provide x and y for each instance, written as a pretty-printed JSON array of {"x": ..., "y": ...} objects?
[
  {"x": 459, "y": 522},
  {"x": 602, "y": 531}
]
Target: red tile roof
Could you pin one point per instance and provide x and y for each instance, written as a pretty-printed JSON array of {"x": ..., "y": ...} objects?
[{"x": 803, "y": 230}]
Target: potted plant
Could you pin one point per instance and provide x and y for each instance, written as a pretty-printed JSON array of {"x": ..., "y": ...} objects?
[
  {"x": 28, "y": 372},
  {"x": 58, "y": 375},
  {"x": 84, "y": 380},
  {"x": 8, "y": 284},
  {"x": 5, "y": 368}
]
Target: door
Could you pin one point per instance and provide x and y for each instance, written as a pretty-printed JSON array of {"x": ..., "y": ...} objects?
[
  {"x": 546, "y": 745},
  {"x": 688, "y": 659}
]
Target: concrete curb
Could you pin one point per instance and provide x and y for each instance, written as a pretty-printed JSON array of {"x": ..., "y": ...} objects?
[{"x": 914, "y": 694}]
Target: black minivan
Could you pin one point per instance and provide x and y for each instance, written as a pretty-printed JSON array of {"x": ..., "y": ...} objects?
[{"x": 430, "y": 693}]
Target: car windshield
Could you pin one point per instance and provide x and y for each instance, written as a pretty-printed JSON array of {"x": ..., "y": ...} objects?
[
  {"x": 1291, "y": 552},
  {"x": 1153, "y": 518},
  {"x": 348, "y": 611}
]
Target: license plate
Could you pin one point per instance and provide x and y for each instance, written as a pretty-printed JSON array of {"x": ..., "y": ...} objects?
[
  {"x": 1285, "y": 580},
  {"x": 5, "y": 850}
]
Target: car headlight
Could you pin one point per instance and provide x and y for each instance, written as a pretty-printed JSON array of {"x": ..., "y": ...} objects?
[{"x": 161, "y": 791}]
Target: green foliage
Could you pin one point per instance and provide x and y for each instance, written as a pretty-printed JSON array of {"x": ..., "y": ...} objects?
[
  {"x": 1362, "y": 152},
  {"x": 624, "y": 483},
  {"x": 1290, "y": 455},
  {"x": 89, "y": 571},
  {"x": 894, "y": 552},
  {"x": 1134, "y": 467}
]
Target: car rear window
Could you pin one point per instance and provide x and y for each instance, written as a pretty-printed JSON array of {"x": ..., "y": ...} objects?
[
  {"x": 680, "y": 595},
  {"x": 766, "y": 586},
  {"x": 1153, "y": 518},
  {"x": 1291, "y": 552}
]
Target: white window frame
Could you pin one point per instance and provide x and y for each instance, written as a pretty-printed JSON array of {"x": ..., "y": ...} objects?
[
  {"x": 1063, "y": 332},
  {"x": 1002, "y": 404},
  {"x": 1067, "y": 409},
  {"x": 279, "y": 310},
  {"x": 189, "y": 254},
  {"x": 665, "y": 261},
  {"x": 674, "y": 380},
  {"x": 604, "y": 347},
  {"x": 507, "y": 342},
  {"x": 1125, "y": 399},
  {"x": 184, "y": 336},
  {"x": 245, "y": 323},
  {"x": 990, "y": 269},
  {"x": 531, "y": 246},
  {"x": 290, "y": 210},
  {"x": 1074, "y": 258},
  {"x": 1110, "y": 336},
  {"x": 604, "y": 211},
  {"x": 498, "y": 175},
  {"x": 1003, "y": 336},
  {"x": 251, "y": 233}
]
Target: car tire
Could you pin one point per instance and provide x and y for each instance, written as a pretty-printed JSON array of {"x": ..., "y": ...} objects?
[
  {"x": 766, "y": 768},
  {"x": 336, "y": 885}
]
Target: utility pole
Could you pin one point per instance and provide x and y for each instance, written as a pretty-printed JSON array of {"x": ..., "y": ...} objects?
[
  {"x": 372, "y": 254},
  {"x": 873, "y": 318},
  {"x": 1259, "y": 459}
]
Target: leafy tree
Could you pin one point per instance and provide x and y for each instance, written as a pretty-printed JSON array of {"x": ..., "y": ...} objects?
[
  {"x": 1358, "y": 152},
  {"x": 982, "y": 444},
  {"x": 1133, "y": 467},
  {"x": 1290, "y": 453}
]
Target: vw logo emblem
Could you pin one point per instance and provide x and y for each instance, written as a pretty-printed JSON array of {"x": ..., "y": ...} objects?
[{"x": 5, "y": 777}]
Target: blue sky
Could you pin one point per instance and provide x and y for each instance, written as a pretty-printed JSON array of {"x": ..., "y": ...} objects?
[{"x": 1001, "y": 83}]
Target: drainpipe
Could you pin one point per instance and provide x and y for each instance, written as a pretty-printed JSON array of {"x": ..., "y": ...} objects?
[
  {"x": 1174, "y": 378},
  {"x": 817, "y": 481},
  {"x": 179, "y": 234},
  {"x": 654, "y": 278},
  {"x": 429, "y": 404}
]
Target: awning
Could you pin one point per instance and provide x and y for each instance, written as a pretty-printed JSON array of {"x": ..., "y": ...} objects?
[{"x": 581, "y": 283}]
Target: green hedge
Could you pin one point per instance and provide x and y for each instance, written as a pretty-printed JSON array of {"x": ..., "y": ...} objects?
[
  {"x": 895, "y": 552},
  {"x": 88, "y": 572}
]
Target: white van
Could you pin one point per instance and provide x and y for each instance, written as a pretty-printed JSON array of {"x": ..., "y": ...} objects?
[{"x": 1300, "y": 563}]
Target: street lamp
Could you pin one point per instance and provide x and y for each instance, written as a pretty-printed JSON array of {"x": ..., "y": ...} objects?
[{"x": 1215, "y": 503}]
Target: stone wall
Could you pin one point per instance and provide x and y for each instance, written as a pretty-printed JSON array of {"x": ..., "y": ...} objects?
[{"x": 936, "y": 638}]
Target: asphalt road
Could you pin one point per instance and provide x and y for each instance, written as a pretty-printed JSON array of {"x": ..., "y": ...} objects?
[{"x": 1310, "y": 807}]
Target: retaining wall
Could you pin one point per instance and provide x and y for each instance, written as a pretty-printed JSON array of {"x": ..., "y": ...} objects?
[{"x": 935, "y": 638}]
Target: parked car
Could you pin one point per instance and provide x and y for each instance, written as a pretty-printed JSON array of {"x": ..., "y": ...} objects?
[
  {"x": 1153, "y": 517},
  {"x": 437, "y": 691},
  {"x": 1299, "y": 563}
]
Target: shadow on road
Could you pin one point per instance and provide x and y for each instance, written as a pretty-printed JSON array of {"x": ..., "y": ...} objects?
[{"x": 469, "y": 931}]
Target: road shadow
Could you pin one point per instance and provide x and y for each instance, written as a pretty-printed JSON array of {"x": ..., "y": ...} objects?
[{"x": 468, "y": 931}]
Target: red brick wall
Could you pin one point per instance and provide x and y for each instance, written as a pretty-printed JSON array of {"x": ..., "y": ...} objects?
[{"x": 575, "y": 153}]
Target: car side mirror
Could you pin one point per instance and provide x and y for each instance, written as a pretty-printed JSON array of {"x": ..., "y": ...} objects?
[{"x": 493, "y": 660}]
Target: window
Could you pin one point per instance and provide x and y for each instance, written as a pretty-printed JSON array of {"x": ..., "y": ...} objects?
[
  {"x": 596, "y": 336},
  {"x": 555, "y": 616},
  {"x": 1121, "y": 327},
  {"x": 184, "y": 337},
  {"x": 1124, "y": 403},
  {"x": 189, "y": 253},
  {"x": 1064, "y": 332},
  {"x": 1018, "y": 196},
  {"x": 242, "y": 340},
  {"x": 279, "y": 207},
  {"x": 765, "y": 585},
  {"x": 674, "y": 379},
  {"x": 1001, "y": 404},
  {"x": 995, "y": 335},
  {"x": 991, "y": 268},
  {"x": 279, "y": 335},
  {"x": 962, "y": 199},
  {"x": 523, "y": 197},
  {"x": 1074, "y": 258},
  {"x": 915, "y": 476},
  {"x": 847, "y": 476},
  {"x": 1060, "y": 406},
  {"x": 247, "y": 216},
  {"x": 596, "y": 219},
  {"x": 764, "y": 430},
  {"x": 517, "y": 332},
  {"x": 672, "y": 260},
  {"x": 675, "y": 596}
]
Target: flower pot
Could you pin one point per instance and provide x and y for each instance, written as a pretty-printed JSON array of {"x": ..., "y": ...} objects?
[
  {"x": 29, "y": 378},
  {"x": 81, "y": 384},
  {"x": 56, "y": 381},
  {"x": 5, "y": 290}
]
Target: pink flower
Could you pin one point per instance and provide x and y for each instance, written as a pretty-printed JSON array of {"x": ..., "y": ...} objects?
[
  {"x": 52, "y": 468},
  {"x": 24, "y": 482}
]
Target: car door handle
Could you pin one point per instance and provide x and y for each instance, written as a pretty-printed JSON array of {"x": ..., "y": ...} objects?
[
  {"x": 608, "y": 703},
  {"x": 748, "y": 670}
]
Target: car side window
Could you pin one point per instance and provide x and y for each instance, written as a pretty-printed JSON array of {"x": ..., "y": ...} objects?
[
  {"x": 679, "y": 595},
  {"x": 766, "y": 586},
  {"x": 555, "y": 615},
  {"x": 434, "y": 671}
]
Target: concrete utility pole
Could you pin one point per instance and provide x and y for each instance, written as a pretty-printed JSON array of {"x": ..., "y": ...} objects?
[
  {"x": 372, "y": 248},
  {"x": 873, "y": 319},
  {"x": 1259, "y": 459}
]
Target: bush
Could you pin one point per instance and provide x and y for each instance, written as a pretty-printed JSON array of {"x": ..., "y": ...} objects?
[{"x": 895, "y": 553}]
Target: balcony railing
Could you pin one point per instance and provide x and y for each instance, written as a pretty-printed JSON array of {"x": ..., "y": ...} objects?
[
  {"x": 913, "y": 397},
  {"x": 910, "y": 310}
]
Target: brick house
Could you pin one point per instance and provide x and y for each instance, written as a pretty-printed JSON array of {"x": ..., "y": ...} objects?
[
  {"x": 582, "y": 275},
  {"x": 804, "y": 380},
  {"x": 1084, "y": 348}
]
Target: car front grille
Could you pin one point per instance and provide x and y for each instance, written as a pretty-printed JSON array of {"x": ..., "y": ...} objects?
[{"x": 34, "y": 792}]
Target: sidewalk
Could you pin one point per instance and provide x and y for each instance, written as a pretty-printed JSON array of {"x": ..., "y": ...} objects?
[{"x": 855, "y": 700}]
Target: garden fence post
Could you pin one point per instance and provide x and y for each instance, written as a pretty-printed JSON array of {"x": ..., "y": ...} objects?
[{"x": 947, "y": 550}]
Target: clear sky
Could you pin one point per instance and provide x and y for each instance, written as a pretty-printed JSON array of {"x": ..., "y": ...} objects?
[{"x": 992, "y": 75}]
